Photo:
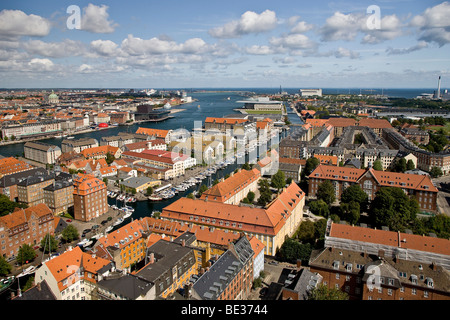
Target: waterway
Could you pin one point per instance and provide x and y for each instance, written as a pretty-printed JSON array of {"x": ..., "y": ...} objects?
[{"x": 207, "y": 104}]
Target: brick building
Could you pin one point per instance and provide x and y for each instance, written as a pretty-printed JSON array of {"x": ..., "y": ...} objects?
[
  {"x": 371, "y": 264},
  {"x": 370, "y": 181},
  {"x": 25, "y": 226},
  {"x": 89, "y": 198},
  {"x": 235, "y": 188},
  {"x": 228, "y": 278}
]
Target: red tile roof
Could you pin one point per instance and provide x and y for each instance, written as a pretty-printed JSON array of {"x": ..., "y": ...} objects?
[{"x": 391, "y": 238}]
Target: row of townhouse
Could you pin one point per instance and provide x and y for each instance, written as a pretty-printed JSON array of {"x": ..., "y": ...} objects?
[
  {"x": 31, "y": 130},
  {"x": 235, "y": 188},
  {"x": 269, "y": 225},
  {"x": 426, "y": 160},
  {"x": 370, "y": 181},
  {"x": 25, "y": 226},
  {"x": 371, "y": 264},
  {"x": 169, "y": 265}
]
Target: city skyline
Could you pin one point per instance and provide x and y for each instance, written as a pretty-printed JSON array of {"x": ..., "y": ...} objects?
[{"x": 369, "y": 44}]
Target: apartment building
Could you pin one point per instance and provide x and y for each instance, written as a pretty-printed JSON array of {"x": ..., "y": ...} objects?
[
  {"x": 170, "y": 168},
  {"x": 124, "y": 246},
  {"x": 370, "y": 181},
  {"x": 228, "y": 278},
  {"x": 79, "y": 145},
  {"x": 101, "y": 152},
  {"x": 371, "y": 264},
  {"x": 11, "y": 165},
  {"x": 269, "y": 225},
  {"x": 30, "y": 190},
  {"x": 25, "y": 226},
  {"x": 156, "y": 133},
  {"x": 235, "y": 188},
  {"x": 170, "y": 265},
  {"x": 89, "y": 198},
  {"x": 8, "y": 183},
  {"x": 74, "y": 274},
  {"x": 42, "y": 152},
  {"x": 30, "y": 130},
  {"x": 59, "y": 196}
]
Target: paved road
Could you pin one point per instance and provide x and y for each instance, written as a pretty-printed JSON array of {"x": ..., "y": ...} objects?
[{"x": 443, "y": 199}]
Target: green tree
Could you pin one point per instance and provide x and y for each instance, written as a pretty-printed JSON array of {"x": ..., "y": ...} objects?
[
  {"x": 49, "y": 243},
  {"x": 319, "y": 208},
  {"x": 7, "y": 206},
  {"x": 278, "y": 180},
  {"x": 310, "y": 166},
  {"x": 5, "y": 267},
  {"x": 149, "y": 191},
  {"x": 322, "y": 292},
  {"x": 410, "y": 165},
  {"x": 377, "y": 165},
  {"x": 319, "y": 229},
  {"x": 69, "y": 234},
  {"x": 26, "y": 254},
  {"x": 350, "y": 212},
  {"x": 292, "y": 250},
  {"x": 393, "y": 208},
  {"x": 251, "y": 196},
  {"x": 326, "y": 192},
  {"x": 110, "y": 158},
  {"x": 355, "y": 193},
  {"x": 436, "y": 172},
  {"x": 265, "y": 195},
  {"x": 400, "y": 165},
  {"x": 202, "y": 189},
  {"x": 305, "y": 232},
  {"x": 190, "y": 196}
]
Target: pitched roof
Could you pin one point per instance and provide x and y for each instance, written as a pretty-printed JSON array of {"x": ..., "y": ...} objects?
[
  {"x": 391, "y": 238},
  {"x": 153, "y": 132},
  {"x": 86, "y": 184},
  {"x": 232, "y": 185},
  {"x": 241, "y": 218},
  {"x": 21, "y": 216},
  {"x": 68, "y": 263},
  {"x": 123, "y": 236}
]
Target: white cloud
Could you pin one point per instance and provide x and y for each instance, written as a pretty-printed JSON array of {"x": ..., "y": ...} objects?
[
  {"x": 104, "y": 48},
  {"x": 259, "y": 50},
  {"x": 434, "y": 24},
  {"x": 293, "y": 42},
  {"x": 95, "y": 19},
  {"x": 390, "y": 28},
  {"x": 16, "y": 23},
  {"x": 347, "y": 27},
  {"x": 137, "y": 46},
  {"x": 66, "y": 48},
  {"x": 250, "y": 22},
  {"x": 39, "y": 65},
  {"x": 301, "y": 27},
  {"x": 419, "y": 46},
  {"x": 345, "y": 53}
]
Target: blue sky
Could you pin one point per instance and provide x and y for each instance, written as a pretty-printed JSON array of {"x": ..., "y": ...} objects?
[{"x": 189, "y": 44}]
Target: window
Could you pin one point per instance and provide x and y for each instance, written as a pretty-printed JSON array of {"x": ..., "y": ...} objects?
[
  {"x": 413, "y": 291},
  {"x": 389, "y": 292}
]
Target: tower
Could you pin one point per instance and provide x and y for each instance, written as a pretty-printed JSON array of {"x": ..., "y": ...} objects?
[{"x": 438, "y": 94}]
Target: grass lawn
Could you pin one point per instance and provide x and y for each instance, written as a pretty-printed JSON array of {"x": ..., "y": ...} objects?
[{"x": 436, "y": 128}]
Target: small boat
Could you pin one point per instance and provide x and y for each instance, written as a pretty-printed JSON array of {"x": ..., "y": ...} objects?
[
  {"x": 87, "y": 244},
  {"x": 70, "y": 138},
  {"x": 108, "y": 229},
  {"x": 97, "y": 236},
  {"x": 127, "y": 214},
  {"x": 154, "y": 198},
  {"x": 6, "y": 283},
  {"x": 27, "y": 271},
  {"x": 118, "y": 221}
]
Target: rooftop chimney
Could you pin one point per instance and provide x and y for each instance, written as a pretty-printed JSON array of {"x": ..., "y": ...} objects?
[{"x": 438, "y": 94}]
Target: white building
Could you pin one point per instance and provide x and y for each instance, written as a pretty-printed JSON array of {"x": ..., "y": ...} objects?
[{"x": 311, "y": 92}]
